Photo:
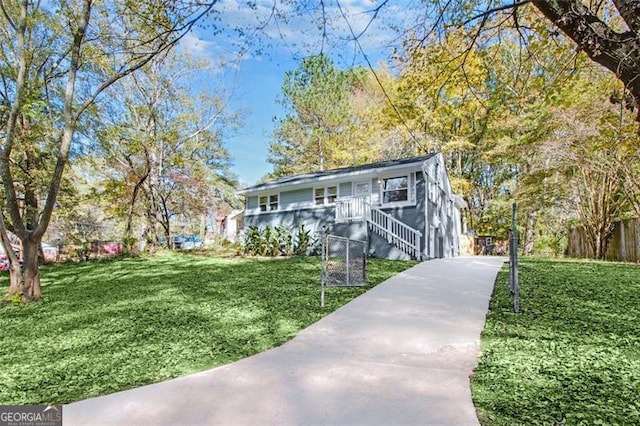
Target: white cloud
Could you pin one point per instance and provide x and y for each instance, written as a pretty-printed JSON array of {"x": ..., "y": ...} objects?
[
  {"x": 295, "y": 29},
  {"x": 196, "y": 46}
]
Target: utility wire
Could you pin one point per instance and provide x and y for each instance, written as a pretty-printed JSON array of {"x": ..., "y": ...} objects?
[{"x": 356, "y": 39}]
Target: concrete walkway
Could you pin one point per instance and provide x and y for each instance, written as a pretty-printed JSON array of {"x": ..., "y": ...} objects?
[{"x": 400, "y": 354}]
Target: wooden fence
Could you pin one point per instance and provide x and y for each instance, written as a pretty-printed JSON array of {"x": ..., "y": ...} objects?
[{"x": 624, "y": 244}]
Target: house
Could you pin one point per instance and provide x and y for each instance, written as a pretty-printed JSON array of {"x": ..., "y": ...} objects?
[
  {"x": 49, "y": 252},
  {"x": 232, "y": 225},
  {"x": 490, "y": 244},
  {"x": 404, "y": 208}
]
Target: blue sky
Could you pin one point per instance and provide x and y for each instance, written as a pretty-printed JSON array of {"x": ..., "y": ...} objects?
[
  {"x": 256, "y": 94},
  {"x": 253, "y": 80}
]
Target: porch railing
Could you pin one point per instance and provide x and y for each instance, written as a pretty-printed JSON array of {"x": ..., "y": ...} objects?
[
  {"x": 350, "y": 209},
  {"x": 401, "y": 235},
  {"x": 397, "y": 233}
]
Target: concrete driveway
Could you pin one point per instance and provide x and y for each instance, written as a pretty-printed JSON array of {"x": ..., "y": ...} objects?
[{"x": 400, "y": 354}]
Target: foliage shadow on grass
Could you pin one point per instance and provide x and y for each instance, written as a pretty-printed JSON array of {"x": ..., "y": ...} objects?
[
  {"x": 110, "y": 326},
  {"x": 572, "y": 356}
]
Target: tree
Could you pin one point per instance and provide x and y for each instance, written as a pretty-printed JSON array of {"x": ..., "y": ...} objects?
[
  {"x": 600, "y": 198},
  {"x": 490, "y": 84},
  {"x": 608, "y": 32},
  {"x": 610, "y": 39},
  {"x": 80, "y": 217},
  {"x": 598, "y": 146},
  {"x": 317, "y": 132},
  {"x": 496, "y": 110},
  {"x": 162, "y": 149},
  {"x": 56, "y": 58}
]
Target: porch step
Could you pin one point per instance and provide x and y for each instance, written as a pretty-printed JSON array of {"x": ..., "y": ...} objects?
[{"x": 397, "y": 233}]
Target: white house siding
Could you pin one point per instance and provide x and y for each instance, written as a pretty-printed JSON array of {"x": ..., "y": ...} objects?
[
  {"x": 299, "y": 198},
  {"x": 375, "y": 192},
  {"x": 345, "y": 189},
  {"x": 441, "y": 214},
  {"x": 251, "y": 203}
]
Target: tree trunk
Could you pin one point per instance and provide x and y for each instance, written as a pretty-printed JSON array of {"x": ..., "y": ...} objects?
[
  {"x": 129, "y": 240},
  {"x": 529, "y": 233},
  {"x": 31, "y": 271},
  {"x": 597, "y": 246},
  {"x": 128, "y": 230},
  {"x": 24, "y": 279},
  {"x": 15, "y": 281}
]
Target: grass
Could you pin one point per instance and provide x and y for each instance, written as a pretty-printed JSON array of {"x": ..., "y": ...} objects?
[
  {"x": 109, "y": 326},
  {"x": 572, "y": 356}
]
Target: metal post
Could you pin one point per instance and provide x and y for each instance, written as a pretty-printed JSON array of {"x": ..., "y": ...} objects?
[
  {"x": 510, "y": 261},
  {"x": 516, "y": 285},
  {"x": 323, "y": 268},
  {"x": 347, "y": 258}
]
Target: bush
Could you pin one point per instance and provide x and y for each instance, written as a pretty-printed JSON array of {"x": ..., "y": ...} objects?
[
  {"x": 305, "y": 243},
  {"x": 254, "y": 242},
  {"x": 279, "y": 241}
]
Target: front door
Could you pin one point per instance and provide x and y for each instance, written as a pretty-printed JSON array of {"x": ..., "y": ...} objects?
[
  {"x": 361, "y": 199},
  {"x": 362, "y": 189}
]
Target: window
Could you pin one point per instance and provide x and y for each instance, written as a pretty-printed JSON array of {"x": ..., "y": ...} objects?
[
  {"x": 268, "y": 203},
  {"x": 332, "y": 194},
  {"x": 362, "y": 189},
  {"x": 395, "y": 189},
  {"x": 433, "y": 192},
  {"x": 326, "y": 195}
]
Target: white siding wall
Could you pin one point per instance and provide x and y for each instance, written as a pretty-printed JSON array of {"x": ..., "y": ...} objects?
[
  {"x": 345, "y": 189},
  {"x": 443, "y": 234}
]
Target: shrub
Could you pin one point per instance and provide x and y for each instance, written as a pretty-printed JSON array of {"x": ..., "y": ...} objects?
[
  {"x": 279, "y": 241},
  {"x": 285, "y": 240},
  {"x": 255, "y": 243},
  {"x": 302, "y": 241}
]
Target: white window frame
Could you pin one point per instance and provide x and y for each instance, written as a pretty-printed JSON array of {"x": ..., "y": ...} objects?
[
  {"x": 271, "y": 203},
  {"x": 361, "y": 184},
  {"x": 408, "y": 188},
  {"x": 327, "y": 197},
  {"x": 433, "y": 191}
]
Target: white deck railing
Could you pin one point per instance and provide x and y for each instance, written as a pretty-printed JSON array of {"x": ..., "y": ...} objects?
[
  {"x": 397, "y": 233},
  {"x": 401, "y": 235},
  {"x": 349, "y": 209}
]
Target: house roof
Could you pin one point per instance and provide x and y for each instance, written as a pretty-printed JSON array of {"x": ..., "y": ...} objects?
[{"x": 301, "y": 178}]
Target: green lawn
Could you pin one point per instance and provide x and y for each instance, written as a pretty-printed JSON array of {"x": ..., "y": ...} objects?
[
  {"x": 572, "y": 356},
  {"x": 110, "y": 326}
]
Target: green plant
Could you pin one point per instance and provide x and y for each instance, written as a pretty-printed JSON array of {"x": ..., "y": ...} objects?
[
  {"x": 285, "y": 240},
  {"x": 268, "y": 241},
  {"x": 272, "y": 245},
  {"x": 14, "y": 299},
  {"x": 304, "y": 242},
  {"x": 572, "y": 356},
  {"x": 129, "y": 245},
  {"x": 255, "y": 243}
]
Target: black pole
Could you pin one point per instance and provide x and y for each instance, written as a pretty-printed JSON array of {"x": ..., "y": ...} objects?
[{"x": 515, "y": 285}]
